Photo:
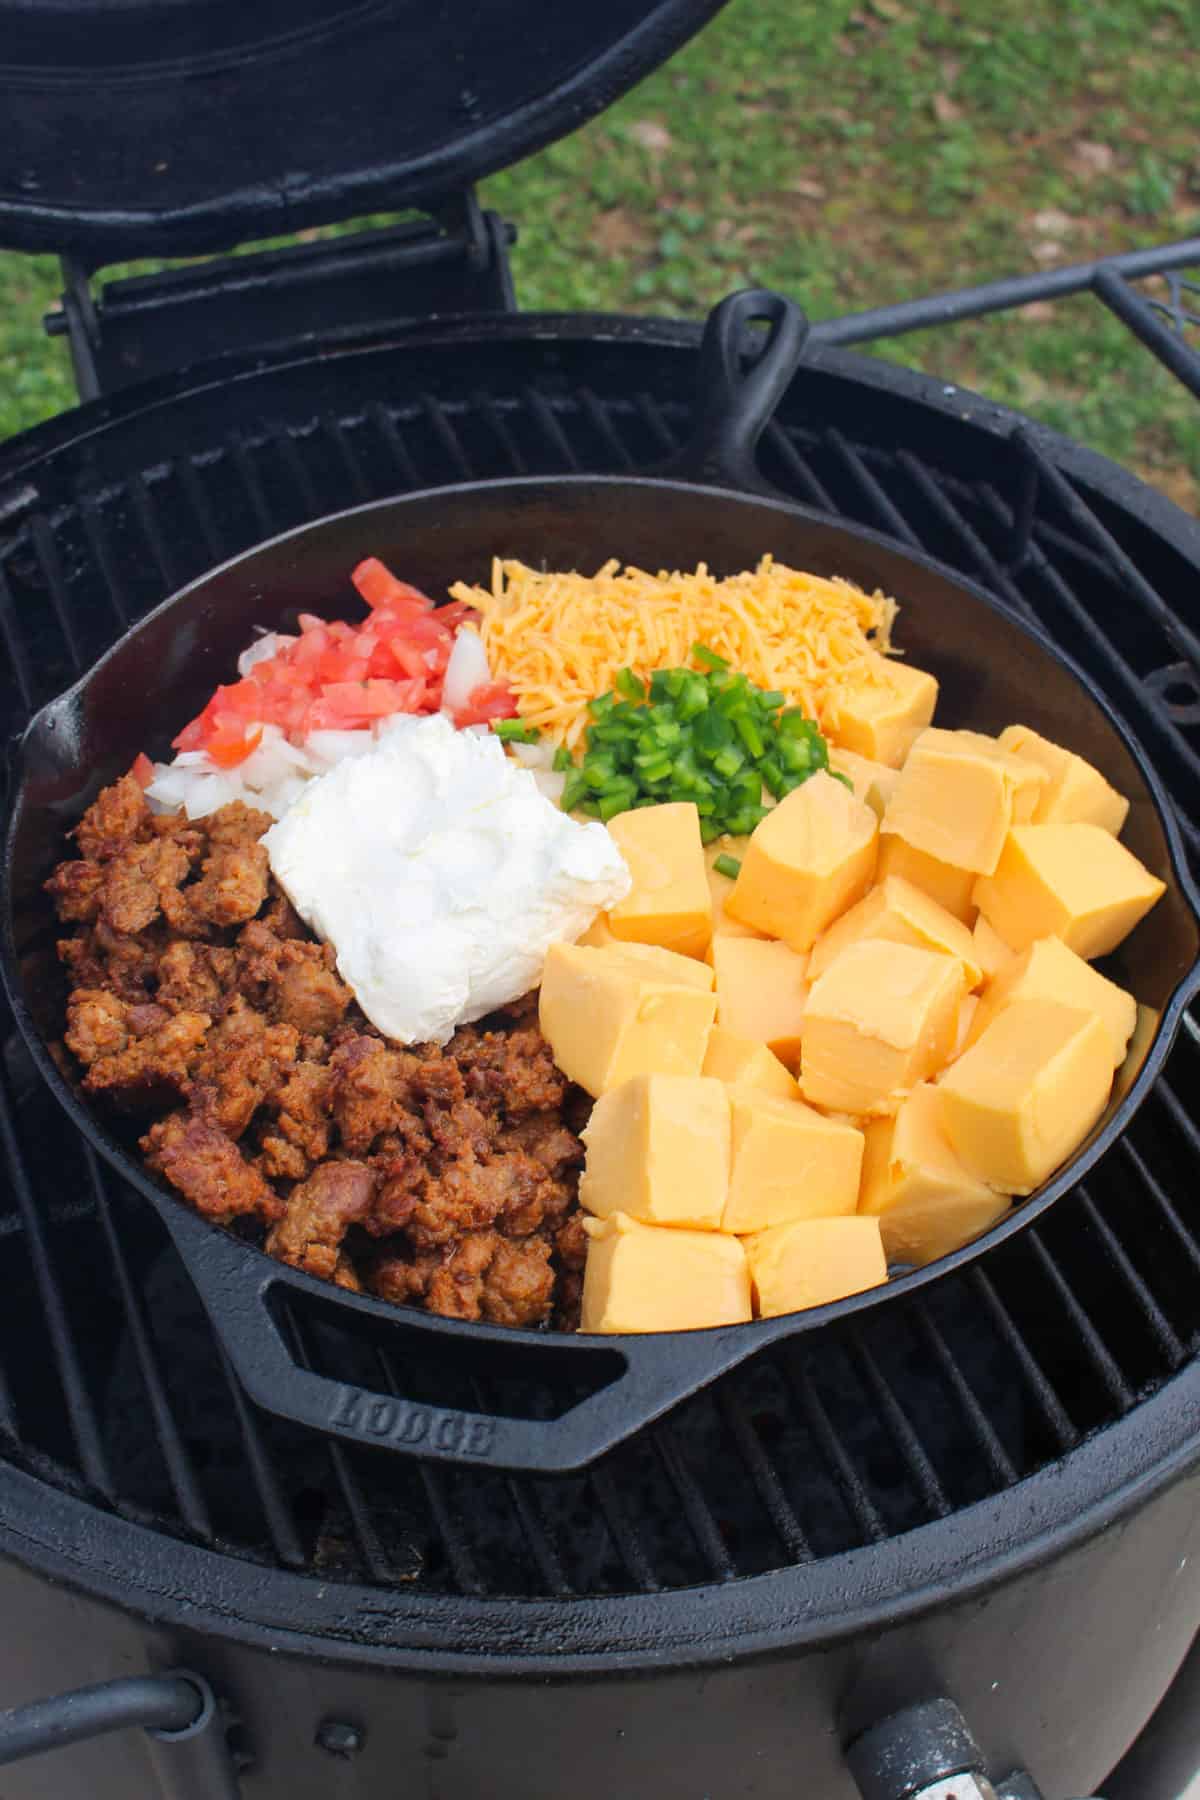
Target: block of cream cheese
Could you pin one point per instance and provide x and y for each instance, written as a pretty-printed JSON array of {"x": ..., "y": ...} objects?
[
  {"x": 788, "y": 1162},
  {"x": 902, "y": 914},
  {"x": 1026, "y": 1094},
  {"x": 741, "y": 1062},
  {"x": 957, "y": 796},
  {"x": 812, "y": 1262},
  {"x": 1048, "y": 970},
  {"x": 991, "y": 952},
  {"x": 440, "y": 875},
  {"x": 880, "y": 1019},
  {"x": 1075, "y": 882},
  {"x": 761, "y": 992},
  {"x": 926, "y": 1201},
  {"x": 811, "y": 858},
  {"x": 607, "y": 1020},
  {"x": 1075, "y": 793},
  {"x": 658, "y": 1149},
  {"x": 669, "y": 902},
  {"x": 950, "y": 887},
  {"x": 661, "y": 1278},
  {"x": 880, "y": 714},
  {"x": 874, "y": 782}
]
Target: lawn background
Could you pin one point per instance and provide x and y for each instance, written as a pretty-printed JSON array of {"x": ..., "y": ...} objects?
[{"x": 854, "y": 153}]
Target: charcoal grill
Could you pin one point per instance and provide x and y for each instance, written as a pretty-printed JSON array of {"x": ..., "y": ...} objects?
[{"x": 985, "y": 1495}]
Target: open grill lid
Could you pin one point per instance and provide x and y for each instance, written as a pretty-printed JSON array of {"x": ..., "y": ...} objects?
[{"x": 177, "y": 127}]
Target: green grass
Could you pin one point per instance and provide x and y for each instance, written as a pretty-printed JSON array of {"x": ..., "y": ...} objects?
[{"x": 854, "y": 154}]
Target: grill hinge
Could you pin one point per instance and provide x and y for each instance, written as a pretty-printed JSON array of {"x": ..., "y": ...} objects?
[{"x": 454, "y": 260}]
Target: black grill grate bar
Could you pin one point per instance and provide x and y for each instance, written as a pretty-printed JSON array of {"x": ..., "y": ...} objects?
[
  {"x": 91, "y": 514},
  {"x": 528, "y": 1514},
  {"x": 189, "y": 471},
  {"x": 1150, "y": 1182},
  {"x": 978, "y": 1424},
  {"x": 859, "y": 1503},
  {"x": 551, "y": 428},
  {"x": 80, "y": 1413},
  {"x": 906, "y": 1440},
  {"x": 281, "y": 1524},
  {"x": 56, "y": 584},
  {"x": 14, "y": 645},
  {"x": 499, "y": 426},
  {"x": 182, "y": 1475},
  {"x": 601, "y": 419},
  {"x": 810, "y": 488},
  {"x": 392, "y": 436},
  {"x": 700, "y": 1521},
  {"x": 8, "y": 1414},
  {"x": 1142, "y": 318},
  {"x": 1038, "y": 1386},
  {"x": 160, "y": 546},
  {"x": 360, "y": 487},
  {"x": 1147, "y": 1305},
  {"x": 652, "y": 413},
  {"x": 1089, "y": 1338},
  {"x": 374, "y": 1556},
  {"x": 938, "y": 500},
  {"x": 763, "y": 1473},
  {"x": 621, "y": 1532},
  {"x": 433, "y": 1483},
  {"x": 439, "y": 420},
  {"x": 243, "y": 462},
  {"x": 286, "y": 455},
  {"x": 1089, "y": 526},
  {"x": 878, "y": 500}
]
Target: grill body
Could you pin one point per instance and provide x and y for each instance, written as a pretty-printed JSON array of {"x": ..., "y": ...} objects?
[{"x": 990, "y": 1492}]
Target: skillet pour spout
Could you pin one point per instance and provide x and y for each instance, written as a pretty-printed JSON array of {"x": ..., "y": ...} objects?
[{"x": 532, "y": 1401}]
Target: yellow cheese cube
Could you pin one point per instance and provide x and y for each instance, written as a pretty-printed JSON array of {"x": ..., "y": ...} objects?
[
  {"x": 926, "y": 1202},
  {"x": 664, "y": 965},
  {"x": 882, "y": 1018},
  {"x": 811, "y": 858},
  {"x": 720, "y": 887},
  {"x": 658, "y": 1149},
  {"x": 955, "y": 798},
  {"x": 606, "y": 1022},
  {"x": 1048, "y": 970},
  {"x": 599, "y": 934},
  {"x": 873, "y": 782},
  {"x": 788, "y": 1162},
  {"x": 654, "y": 1278},
  {"x": 991, "y": 952},
  {"x": 950, "y": 887},
  {"x": 761, "y": 992},
  {"x": 1075, "y": 882},
  {"x": 1075, "y": 793},
  {"x": 812, "y": 1262},
  {"x": 1026, "y": 1094},
  {"x": 899, "y": 913},
  {"x": 669, "y": 903},
  {"x": 741, "y": 1062},
  {"x": 966, "y": 1018},
  {"x": 881, "y": 714}
]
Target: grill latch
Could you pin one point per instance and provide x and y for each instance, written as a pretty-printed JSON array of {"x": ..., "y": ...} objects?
[{"x": 928, "y": 1752}]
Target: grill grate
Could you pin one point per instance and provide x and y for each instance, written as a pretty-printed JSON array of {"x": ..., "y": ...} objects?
[{"x": 110, "y": 1381}]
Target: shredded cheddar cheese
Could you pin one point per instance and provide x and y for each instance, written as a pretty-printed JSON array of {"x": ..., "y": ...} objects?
[{"x": 558, "y": 639}]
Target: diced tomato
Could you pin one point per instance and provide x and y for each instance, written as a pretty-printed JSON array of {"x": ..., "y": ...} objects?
[
  {"x": 142, "y": 769},
  {"x": 490, "y": 700},
  {"x": 379, "y": 587},
  {"x": 232, "y": 743},
  {"x": 456, "y": 613}
]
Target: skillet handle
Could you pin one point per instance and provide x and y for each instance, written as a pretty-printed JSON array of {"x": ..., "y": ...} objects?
[
  {"x": 626, "y": 1384},
  {"x": 741, "y": 380}
]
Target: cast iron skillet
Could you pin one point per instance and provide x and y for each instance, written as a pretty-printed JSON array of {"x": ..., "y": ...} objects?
[{"x": 993, "y": 671}]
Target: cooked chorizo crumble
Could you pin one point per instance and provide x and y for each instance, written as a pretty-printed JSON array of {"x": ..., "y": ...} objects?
[{"x": 202, "y": 1007}]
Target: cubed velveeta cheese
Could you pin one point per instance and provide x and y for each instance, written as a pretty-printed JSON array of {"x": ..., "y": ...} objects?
[
  {"x": 761, "y": 992},
  {"x": 788, "y": 1162},
  {"x": 883, "y": 1017},
  {"x": 966, "y": 1018},
  {"x": 900, "y": 913},
  {"x": 669, "y": 903},
  {"x": 957, "y": 796},
  {"x": 874, "y": 782},
  {"x": 720, "y": 887},
  {"x": 950, "y": 887},
  {"x": 660, "y": 1278},
  {"x": 879, "y": 715},
  {"x": 991, "y": 952},
  {"x": 811, "y": 857},
  {"x": 1075, "y": 882},
  {"x": 1075, "y": 793},
  {"x": 812, "y": 1262},
  {"x": 606, "y": 1021},
  {"x": 926, "y": 1201},
  {"x": 1048, "y": 970},
  {"x": 599, "y": 934},
  {"x": 664, "y": 965},
  {"x": 1026, "y": 1094},
  {"x": 741, "y": 1062},
  {"x": 658, "y": 1149}
]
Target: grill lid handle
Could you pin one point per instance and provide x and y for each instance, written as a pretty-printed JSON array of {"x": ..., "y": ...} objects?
[{"x": 743, "y": 375}]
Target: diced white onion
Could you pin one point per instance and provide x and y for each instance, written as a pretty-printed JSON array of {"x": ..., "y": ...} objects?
[
  {"x": 262, "y": 650},
  {"x": 466, "y": 670}
]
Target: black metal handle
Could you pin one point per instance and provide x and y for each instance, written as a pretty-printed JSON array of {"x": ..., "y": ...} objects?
[
  {"x": 928, "y": 1752},
  {"x": 626, "y": 1383},
  {"x": 742, "y": 378}
]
